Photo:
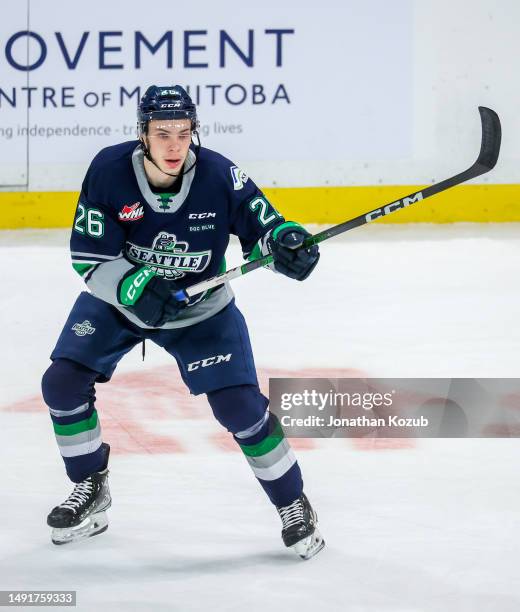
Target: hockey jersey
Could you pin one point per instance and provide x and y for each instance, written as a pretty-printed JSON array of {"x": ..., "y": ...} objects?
[{"x": 121, "y": 223}]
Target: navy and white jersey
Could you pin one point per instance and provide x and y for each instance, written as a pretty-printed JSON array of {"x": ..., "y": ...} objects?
[{"x": 121, "y": 223}]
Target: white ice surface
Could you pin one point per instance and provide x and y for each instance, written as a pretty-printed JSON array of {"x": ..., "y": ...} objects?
[{"x": 431, "y": 527}]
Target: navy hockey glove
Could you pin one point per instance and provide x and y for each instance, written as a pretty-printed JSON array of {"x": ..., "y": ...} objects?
[
  {"x": 149, "y": 297},
  {"x": 293, "y": 263}
]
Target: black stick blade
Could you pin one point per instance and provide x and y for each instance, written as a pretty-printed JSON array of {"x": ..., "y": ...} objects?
[{"x": 491, "y": 138}]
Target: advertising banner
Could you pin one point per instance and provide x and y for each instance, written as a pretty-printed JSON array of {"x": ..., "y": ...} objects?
[
  {"x": 14, "y": 159},
  {"x": 273, "y": 81}
]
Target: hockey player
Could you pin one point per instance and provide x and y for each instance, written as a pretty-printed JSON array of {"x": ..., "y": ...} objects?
[{"x": 154, "y": 216}]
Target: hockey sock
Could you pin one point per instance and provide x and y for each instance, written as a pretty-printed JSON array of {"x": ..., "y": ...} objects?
[
  {"x": 68, "y": 390},
  {"x": 243, "y": 411},
  {"x": 273, "y": 462}
]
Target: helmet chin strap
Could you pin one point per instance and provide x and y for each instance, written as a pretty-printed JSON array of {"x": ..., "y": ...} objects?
[{"x": 147, "y": 154}]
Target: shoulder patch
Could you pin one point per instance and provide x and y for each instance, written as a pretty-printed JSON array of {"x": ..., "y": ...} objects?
[{"x": 239, "y": 177}]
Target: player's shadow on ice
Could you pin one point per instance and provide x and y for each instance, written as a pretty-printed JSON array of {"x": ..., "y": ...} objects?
[
  {"x": 370, "y": 581},
  {"x": 78, "y": 555},
  {"x": 224, "y": 564}
]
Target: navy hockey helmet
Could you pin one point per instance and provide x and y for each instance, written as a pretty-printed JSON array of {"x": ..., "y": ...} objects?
[{"x": 168, "y": 102}]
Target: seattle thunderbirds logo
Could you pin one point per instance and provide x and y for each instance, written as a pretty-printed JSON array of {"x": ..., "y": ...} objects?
[{"x": 169, "y": 257}]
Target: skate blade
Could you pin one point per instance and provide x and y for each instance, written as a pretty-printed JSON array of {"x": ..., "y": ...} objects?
[
  {"x": 309, "y": 546},
  {"x": 91, "y": 526}
]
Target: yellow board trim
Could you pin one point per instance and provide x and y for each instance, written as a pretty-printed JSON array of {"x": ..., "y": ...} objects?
[
  {"x": 33, "y": 209},
  {"x": 326, "y": 205}
]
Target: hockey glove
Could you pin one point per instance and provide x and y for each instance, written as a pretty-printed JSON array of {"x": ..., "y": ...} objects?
[
  {"x": 149, "y": 297},
  {"x": 283, "y": 244}
]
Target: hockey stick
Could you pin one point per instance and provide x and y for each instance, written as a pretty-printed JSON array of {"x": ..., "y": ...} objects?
[{"x": 488, "y": 156}]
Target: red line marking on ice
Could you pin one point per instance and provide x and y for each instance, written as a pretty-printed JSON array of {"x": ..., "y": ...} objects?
[
  {"x": 224, "y": 442},
  {"x": 371, "y": 444},
  {"x": 135, "y": 403}
]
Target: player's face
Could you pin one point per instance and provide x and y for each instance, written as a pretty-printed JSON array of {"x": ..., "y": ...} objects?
[{"x": 169, "y": 141}]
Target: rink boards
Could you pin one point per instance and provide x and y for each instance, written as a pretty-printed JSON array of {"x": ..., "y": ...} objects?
[{"x": 326, "y": 205}]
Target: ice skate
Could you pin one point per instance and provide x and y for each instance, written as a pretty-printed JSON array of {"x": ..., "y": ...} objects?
[
  {"x": 300, "y": 528},
  {"x": 82, "y": 515}
]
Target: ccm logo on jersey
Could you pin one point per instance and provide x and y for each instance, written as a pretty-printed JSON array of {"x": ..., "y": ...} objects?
[
  {"x": 209, "y": 361},
  {"x": 239, "y": 177},
  {"x": 389, "y": 208},
  {"x": 207, "y": 215},
  {"x": 131, "y": 213}
]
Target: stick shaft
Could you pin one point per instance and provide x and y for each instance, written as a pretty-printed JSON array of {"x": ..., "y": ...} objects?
[{"x": 488, "y": 156}]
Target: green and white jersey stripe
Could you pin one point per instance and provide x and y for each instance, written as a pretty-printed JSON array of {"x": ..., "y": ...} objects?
[
  {"x": 83, "y": 263},
  {"x": 96, "y": 256},
  {"x": 84, "y": 267}
]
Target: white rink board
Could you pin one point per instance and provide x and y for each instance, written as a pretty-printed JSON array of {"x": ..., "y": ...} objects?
[
  {"x": 347, "y": 93},
  {"x": 285, "y": 77}
]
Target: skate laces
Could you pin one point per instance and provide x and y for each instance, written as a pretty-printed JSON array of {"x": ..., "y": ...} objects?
[
  {"x": 80, "y": 495},
  {"x": 291, "y": 514}
]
